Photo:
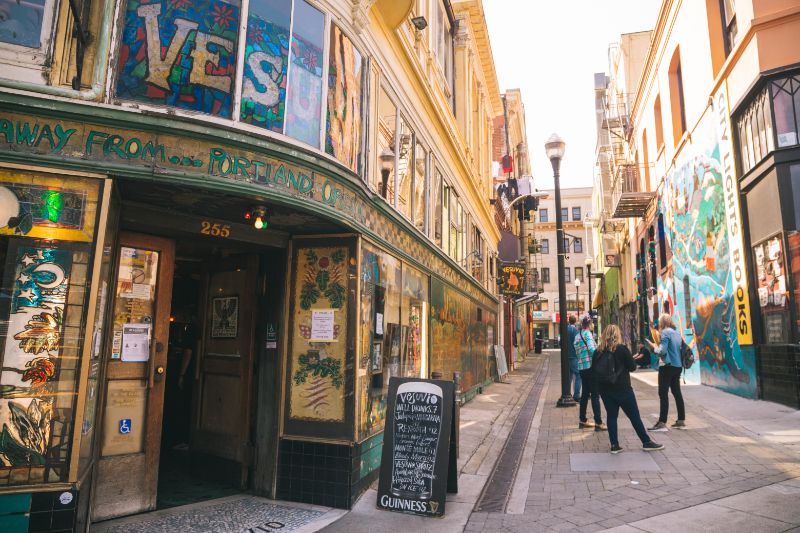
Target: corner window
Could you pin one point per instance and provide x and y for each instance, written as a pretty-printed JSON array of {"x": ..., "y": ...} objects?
[
  {"x": 786, "y": 102},
  {"x": 26, "y": 30}
]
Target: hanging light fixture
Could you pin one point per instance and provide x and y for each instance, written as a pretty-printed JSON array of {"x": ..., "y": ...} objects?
[{"x": 258, "y": 215}]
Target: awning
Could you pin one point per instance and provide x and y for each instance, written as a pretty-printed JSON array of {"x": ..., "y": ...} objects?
[
  {"x": 597, "y": 301},
  {"x": 527, "y": 297}
]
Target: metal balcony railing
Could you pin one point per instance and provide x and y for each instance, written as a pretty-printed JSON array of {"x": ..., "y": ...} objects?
[{"x": 628, "y": 199}]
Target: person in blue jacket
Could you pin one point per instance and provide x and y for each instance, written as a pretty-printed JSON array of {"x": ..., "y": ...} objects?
[{"x": 670, "y": 367}]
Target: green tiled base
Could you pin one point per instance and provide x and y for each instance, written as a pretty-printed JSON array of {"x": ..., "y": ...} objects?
[
  {"x": 15, "y": 503},
  {"x": 14, "y": 523}
]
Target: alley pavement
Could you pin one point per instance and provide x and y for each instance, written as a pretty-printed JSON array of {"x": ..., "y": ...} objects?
[{"x": 736, "y": 468}]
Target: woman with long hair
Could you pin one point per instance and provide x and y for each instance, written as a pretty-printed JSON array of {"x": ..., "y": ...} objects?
[
  {"x": 614, "y": 380},
  {"x": 670, "y": 366}
]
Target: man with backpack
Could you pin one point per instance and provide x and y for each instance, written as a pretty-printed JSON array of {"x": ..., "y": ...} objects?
[
  {"x": 585, "y": 347},
  {"x": 671, "y": 364}
]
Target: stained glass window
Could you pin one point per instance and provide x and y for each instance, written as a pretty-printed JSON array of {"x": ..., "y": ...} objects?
[
  {"x": 266, "y": 60},
  {"x": 345, "y": 101},
  {"x": 304, "y": 104},
  {"x": 180, "y": 53}
]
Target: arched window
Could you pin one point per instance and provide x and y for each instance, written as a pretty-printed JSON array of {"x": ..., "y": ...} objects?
[{"x": 676, "y": 97}]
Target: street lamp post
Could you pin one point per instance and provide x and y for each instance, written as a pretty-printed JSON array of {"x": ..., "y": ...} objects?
[
  {"x": 577, "y": 296},
  {"x": 589, "y": 280},
  {"x": 554, "y": 147}
]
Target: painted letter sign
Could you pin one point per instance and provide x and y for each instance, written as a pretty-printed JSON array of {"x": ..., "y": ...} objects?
[
  {"x": 512, "y": 279},
  {"x": 416, "y": 445},
  {"x": 733, "y": 216}
]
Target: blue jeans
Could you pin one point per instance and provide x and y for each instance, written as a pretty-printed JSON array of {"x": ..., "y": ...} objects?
[
  {"x": 625, "y": 400},
  {"x": 575, "y": 377}
]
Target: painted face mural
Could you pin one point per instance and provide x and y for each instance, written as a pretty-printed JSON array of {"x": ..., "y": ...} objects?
[{"x": 700, "y": 287}]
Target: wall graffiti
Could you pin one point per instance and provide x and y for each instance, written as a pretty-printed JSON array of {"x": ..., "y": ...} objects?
[
  {"x": 699, "y": 284},
  {"x": 180, "y": 53}
]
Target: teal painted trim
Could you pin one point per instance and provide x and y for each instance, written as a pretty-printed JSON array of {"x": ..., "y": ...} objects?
[
  {"x": 370, "y": 459},
  {"x": 122, "y": 119},
  {"x": 14, "y": 523},
  {"x": 14, "y": 503},
  {"x": 103, "y": 41},
  {"x": 470, "y": 394}
]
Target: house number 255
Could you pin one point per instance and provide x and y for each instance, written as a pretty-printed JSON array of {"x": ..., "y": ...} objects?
[{"x": 215, "y": 230}]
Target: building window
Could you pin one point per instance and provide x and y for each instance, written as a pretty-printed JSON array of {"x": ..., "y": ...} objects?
[
  {"x": 676, "y": 97},
  {"x": 543, "y": 215},
  {"x": 403, "y": 172},
  {"x": 579, "y": 273},
  {"x": 436, "y": 203},
  {"x": 383, "y": 180},
  {"x": 578, "y": 246},
  {"x": 541, "y": 305},
  {"x": 645, "y": 155},
  {"x": 26, "y": 30},
  {"x": 545, "y": 275},
  {"x": 545, "y": 246},
  {"x": 576, "y": 213},
  {"x": 786, "y": 104},
  {"x": 564, "y": 214},
  {"x": 659, "y": 124},
  {"x": 566, "y": 245},
  {"x": 729, "y": 29},
  {"x": 567, "y": 275},
  {"x": 443, "y": 43},
  {"x": 421, "y": 177}
]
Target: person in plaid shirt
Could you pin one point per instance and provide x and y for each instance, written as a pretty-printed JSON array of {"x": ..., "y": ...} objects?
[{"x": 585, "y": 348}]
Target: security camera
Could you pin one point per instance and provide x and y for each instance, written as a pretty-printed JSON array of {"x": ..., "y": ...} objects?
[{"x": 420, "y": 23}]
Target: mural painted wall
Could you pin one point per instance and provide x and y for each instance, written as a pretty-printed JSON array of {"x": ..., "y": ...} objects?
[
  {"x": 699, "y": 285},
  {"x": 460, "y": 335}
]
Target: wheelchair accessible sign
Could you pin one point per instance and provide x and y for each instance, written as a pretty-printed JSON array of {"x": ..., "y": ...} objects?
[{"x": 125, "y": 426}]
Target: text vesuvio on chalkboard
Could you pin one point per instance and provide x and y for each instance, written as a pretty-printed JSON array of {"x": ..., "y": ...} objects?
[{"x": 415, "y": 446}]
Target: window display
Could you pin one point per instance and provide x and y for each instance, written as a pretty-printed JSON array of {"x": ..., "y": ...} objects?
[{"x": 46, "y": 228}]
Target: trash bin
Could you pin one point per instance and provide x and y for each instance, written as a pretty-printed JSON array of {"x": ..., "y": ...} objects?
[{"x": 537, "y": 346}]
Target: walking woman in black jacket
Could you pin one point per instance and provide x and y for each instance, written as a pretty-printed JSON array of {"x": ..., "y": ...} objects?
[{"x": 619, "y": 394}]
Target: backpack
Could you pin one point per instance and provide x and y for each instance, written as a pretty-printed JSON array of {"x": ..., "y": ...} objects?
[
  {"x": 605, "y": 369},
  {"x": 687, "y": 355}
]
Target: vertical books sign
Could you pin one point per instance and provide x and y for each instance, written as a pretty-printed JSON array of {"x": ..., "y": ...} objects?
[{"x": 416, "y": 445}]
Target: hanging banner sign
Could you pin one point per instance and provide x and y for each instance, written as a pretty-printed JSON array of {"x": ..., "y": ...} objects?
[
  {"x": 512, "y": 279},
  {"x": 733, "y": 217}
]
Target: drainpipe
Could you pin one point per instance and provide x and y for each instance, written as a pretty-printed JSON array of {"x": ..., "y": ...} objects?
[{"x": 98, "y": 74}]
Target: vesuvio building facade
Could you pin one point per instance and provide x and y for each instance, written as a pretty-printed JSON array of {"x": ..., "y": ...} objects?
[
  {"x": 702, "y": 196},
  {"x": 224, "y": 227}
]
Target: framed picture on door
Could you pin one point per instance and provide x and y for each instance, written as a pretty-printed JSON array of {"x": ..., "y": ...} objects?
[{"x": 225, "y": 317}]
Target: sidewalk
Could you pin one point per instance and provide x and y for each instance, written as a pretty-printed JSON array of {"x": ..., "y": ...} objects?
[
  {"x": 485, "y": 424},
  {"x": 735, "y": 469}
]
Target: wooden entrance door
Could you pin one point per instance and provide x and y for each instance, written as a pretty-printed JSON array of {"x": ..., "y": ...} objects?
[
  {"x": 127, "y": 474},
  {"x": 223, "y": 388}
]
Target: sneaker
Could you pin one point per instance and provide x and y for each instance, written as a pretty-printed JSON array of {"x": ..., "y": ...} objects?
[
  {"x": 652, "y": 446},
  {"x": 660, "y": 426},
  {"x": 587, "y": 424},
  {"x": 616, "y": 449},
  {"x": 679, "y": 424},
  {"x": 600, "y": 427}
]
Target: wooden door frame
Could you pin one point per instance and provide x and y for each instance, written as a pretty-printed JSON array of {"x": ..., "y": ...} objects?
[{"x": 115, "y": 370}]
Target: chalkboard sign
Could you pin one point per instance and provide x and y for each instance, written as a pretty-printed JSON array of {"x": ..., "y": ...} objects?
[{"x": 416, "y": 444}]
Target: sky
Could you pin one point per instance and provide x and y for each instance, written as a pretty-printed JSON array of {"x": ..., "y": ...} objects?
[{"x": 550, "y": 50}]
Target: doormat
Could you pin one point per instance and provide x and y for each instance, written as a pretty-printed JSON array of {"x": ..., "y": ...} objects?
[{"x": 247, "y": 515}]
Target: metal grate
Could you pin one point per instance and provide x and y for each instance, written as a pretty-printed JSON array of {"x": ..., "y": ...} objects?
[{"x": 497, "y": 490}]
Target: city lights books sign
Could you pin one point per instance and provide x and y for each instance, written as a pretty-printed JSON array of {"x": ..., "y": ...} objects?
[{"x": 416, "y": 446}]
